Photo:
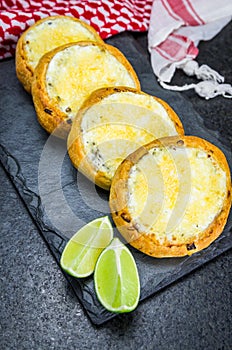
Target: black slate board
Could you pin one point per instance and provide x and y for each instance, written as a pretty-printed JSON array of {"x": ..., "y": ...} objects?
[{"x": 62, "y": 200}]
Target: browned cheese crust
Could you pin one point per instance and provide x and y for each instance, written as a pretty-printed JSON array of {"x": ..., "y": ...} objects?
[
  {"x": 49, "y": 115},
  {"x": 76, "y": 147},
  {"x": 24, "y": 70},
  {"x": 147, "y": 243}
]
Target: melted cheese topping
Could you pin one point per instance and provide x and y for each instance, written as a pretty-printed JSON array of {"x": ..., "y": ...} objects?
[
  {"x": 175, "y": 193},
  {"x": 76, "y": 71},
  {"x": 51, "y": 34},
  {"x": 119, "y": 124}
]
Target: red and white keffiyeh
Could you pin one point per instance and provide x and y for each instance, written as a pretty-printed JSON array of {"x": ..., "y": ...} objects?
[
  {"x": 108, "y": 17},
  {"x": 174, "y": 27}
]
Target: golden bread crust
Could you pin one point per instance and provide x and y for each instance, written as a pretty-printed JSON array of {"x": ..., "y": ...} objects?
[
  {"x": 50, "y": 116},
  {"x": 76, "y": 146},
  {"x": 24, "y": 70},
  {"x": 147, "y": 242}
]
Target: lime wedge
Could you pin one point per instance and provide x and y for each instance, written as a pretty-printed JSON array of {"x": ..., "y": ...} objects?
[
  {"x": 116, "y": 278},
  {"x": 83, "y": 249}
]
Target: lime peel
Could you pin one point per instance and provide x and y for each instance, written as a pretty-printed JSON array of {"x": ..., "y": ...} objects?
[
  {"x": 116, "y": 278},
  {"x": 83, "y": 249}
]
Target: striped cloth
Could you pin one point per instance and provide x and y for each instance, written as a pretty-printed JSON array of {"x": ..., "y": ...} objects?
[
  {"x": 174, "y": 27},
  {"x": 177, "y": 26},
  {"x": 108, "y": 17}
]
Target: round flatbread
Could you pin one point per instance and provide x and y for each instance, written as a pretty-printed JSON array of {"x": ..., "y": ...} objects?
[
  {"x": 66, "y": 76},
  {"x": 172, "y": 197},
  {"x": 112, "y": 123},
  {"x": 45, "y": 35}
]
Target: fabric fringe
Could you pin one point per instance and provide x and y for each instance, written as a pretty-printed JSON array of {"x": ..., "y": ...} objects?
[{"x": 210, "y": 86}]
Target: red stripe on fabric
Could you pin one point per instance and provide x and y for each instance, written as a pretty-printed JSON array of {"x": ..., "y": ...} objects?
[
  {"x": 174, "y": 51},
  {"x": 169, "y": 10},
  {"x": 163, "y": 53},
  {"x": 184, "y": 10},
  {"x": 178, "y": 39},
  {"x": 106, "y": 16},
  {"x": 184, "y": 42},
  {"x": 191, "y": 53},
  {"x": 195, "y": 13}
]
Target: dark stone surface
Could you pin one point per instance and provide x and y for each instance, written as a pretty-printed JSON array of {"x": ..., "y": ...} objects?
[{"x": 40, "y": 310}]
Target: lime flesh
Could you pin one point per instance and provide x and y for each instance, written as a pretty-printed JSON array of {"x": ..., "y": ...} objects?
[
  {"x": 83, "y": 249},
  {"x": 116, "y": 278}
]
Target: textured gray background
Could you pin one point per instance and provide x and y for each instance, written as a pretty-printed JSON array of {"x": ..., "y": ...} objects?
[{"x": 40, "y": 311}]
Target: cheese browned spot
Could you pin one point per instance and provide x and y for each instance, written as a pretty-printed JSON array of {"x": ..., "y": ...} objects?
[
  {"x": 82, "y": 69},
  {"x": 112, "y": 123},
  {"x": 53, "y": 32},
  {"x": 119, "y": 124},
  {"x": 66, "y": 76},
  {"x": 175, "y": 193},
  {"x": 45, "y": 35}
]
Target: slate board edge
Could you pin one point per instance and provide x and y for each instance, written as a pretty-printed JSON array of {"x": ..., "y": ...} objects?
[{"x": 18, "y": 183}]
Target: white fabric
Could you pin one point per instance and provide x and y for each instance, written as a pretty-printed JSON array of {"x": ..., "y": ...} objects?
[{"x": 176, "y": 28}]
